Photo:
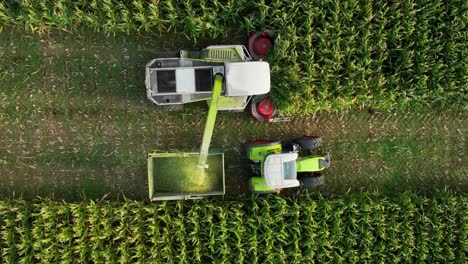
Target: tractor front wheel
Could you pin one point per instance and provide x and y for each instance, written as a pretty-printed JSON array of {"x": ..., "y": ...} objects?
[{"x": 313, "y": 182}]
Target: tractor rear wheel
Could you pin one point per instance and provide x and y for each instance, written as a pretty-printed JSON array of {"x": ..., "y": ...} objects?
[
  {"x": 313, "y": 182},
  {"x": 309, "y": 142}
]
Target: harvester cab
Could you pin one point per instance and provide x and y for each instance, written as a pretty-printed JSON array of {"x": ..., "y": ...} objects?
[{"x": 173, "y": 82}]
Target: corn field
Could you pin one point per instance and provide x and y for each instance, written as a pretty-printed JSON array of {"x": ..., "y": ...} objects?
[
  {"x": 354, "y": 228},
  {"x": 329, "y": 55}
]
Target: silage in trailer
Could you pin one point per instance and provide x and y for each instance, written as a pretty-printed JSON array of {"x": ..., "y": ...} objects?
[{"x": 174, "y": 176}]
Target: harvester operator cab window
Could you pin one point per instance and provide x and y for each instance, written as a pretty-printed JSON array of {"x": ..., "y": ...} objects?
[
  {"x": 166, "y": 81},
  {"x": 203, "y": 80}
]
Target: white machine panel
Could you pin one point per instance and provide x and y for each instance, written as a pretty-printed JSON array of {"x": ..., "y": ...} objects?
[
  {"x": 247, "y": 78},
  {"x": 185, "y": 79}
]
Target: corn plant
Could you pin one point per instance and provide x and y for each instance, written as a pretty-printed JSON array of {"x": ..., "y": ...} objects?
[
  {"x": 140, "y": 15},
  {"x": 5, "y": 16},
  {"x": 252, "y": 226},
  {"x": 65, "y": 234},
  {"x": 8, "y": 233},
  {"x": 194, "y": 232},
  {"x": 25, "y": 247},
  {"x": 80, "y": 233}
]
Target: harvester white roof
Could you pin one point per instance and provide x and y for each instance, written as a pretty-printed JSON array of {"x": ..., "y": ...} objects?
[{"x": 247, "y": 78}]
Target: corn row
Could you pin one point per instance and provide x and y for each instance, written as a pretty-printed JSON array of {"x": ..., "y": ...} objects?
[
  {"x": 356, "y": 228},
  {"x": 8, "y": 233},
  {"x": 24, "y": 231},
  {"x": 44, "y": 233},
  {"x": 237, "y": 228},
  {"x": 294, "y": 233},
  {"x": 179, "y": 235},
  {"x": 64, "y": 239},
  {"x": 350, "y": 222},
  {"x": 152, "y": 230},
  {"x": 253, "y": 221},
  {"x": 308, "y": 226},
  {"x": 80, "y": 232},
  {"x": 194, "y": 241},
  {"x": 167, "y": 245},
  {"x": 461, "y": 247},
  {"x": 266, "y": 233}
]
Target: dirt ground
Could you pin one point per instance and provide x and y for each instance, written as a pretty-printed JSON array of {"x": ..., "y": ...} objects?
[{"x": 74, "y": 122}]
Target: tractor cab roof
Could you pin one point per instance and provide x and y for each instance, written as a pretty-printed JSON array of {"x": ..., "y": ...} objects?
[{"x": 280, "y": 170}]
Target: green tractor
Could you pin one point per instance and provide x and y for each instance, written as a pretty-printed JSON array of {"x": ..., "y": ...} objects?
[{"x": 278, "y": 165}]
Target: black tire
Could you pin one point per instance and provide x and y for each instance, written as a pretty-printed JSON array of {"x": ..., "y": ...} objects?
[
  {"x": 308, "y": 142},
  {"x": 313, "y": 182},
  {"x": 170, "y": 108},
  {"x": 287, "y": 146},
  {"x": 255, "y": 168}
]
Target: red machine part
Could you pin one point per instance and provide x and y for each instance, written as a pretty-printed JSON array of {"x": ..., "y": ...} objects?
[
  {"x": 259, "y": 43},
  {"x": 260, "y": 142},
  {"x": 263, "y": 110}
]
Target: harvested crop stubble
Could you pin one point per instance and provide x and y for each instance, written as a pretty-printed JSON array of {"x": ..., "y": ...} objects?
[
  {"x": 329, "y": 55},
  {"x": 348, "y": 229}
]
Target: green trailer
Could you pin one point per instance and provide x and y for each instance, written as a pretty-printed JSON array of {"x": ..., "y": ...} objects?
[{"x": 171, "y": 176}]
